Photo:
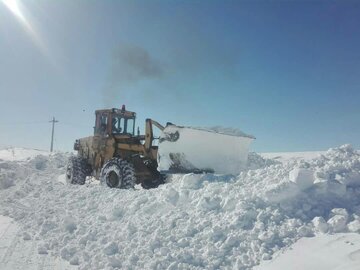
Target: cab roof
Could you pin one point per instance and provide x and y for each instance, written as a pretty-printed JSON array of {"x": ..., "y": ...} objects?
[{"x": 116, "y": 111}]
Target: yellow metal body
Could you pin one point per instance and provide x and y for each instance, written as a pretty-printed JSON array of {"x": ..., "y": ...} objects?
[{"x": 106, "y": 144}]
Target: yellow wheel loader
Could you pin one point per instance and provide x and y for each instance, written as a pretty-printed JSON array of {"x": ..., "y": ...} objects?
[{"x": 115, "y": 155}]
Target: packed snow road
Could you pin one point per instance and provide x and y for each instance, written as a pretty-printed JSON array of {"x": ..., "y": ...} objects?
[
  {"x": 340, "y": 251},
  {"x": 193, "y": 222}
]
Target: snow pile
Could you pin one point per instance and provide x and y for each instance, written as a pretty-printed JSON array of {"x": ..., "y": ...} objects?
[
  {"x": 195, "y": 221},
  {"x": 19, "y": 164},
  {"x": 256, "y": 161}
]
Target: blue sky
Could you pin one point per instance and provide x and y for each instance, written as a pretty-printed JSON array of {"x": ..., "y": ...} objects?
[{"x": 287, "y": 72}]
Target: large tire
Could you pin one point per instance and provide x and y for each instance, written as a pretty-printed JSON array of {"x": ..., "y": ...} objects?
[
  {"x": 76, "y": 171},
  {"x": 118, "y": 173}
]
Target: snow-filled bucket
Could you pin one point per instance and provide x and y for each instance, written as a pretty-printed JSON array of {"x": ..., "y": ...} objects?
[{"x": 185, "y": 149}]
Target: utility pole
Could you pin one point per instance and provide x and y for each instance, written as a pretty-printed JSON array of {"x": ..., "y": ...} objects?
[{"x": 53, "y": 121}]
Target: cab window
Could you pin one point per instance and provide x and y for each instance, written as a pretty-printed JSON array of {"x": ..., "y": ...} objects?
[
  {"x": 122, "y": 125},
  {"x": 130, "y": 126},
  {"x": 117, "y": 125},
  {"x": 103, "y": 121}
]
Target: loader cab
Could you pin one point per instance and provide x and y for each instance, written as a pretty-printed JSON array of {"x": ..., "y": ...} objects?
[{"x": 115, "y": 122}]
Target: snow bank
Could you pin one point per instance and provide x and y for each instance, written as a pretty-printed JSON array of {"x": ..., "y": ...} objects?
[
  {"x": 183, "y": 149},
  {"x": 195, "y": 221}
]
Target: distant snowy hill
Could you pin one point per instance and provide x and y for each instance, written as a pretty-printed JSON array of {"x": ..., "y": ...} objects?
[
  {"x": 283, "y": 204},
  {"x": 288, "y": 156},
  {"x": 20, "y": 154}
]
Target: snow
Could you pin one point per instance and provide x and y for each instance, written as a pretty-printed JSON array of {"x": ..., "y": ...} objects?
[
  {"x": 303, "y": 178},
  {"x": 20, "y": 154},
  {"x": 323, "y": 252},
  {"x": 17, "y": 251},
  {"x": 194, "y": 221},
  {"x": 191, "y": 149},
  {"x": 320, "y": 225}
]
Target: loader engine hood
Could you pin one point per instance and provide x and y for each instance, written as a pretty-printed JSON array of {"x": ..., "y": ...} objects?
[{"x": 216, "y": 150}]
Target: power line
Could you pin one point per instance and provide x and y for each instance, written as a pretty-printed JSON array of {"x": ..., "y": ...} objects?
[{"x": 53, "y": 121}]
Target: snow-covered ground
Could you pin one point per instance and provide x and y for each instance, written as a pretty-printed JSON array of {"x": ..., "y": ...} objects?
[
  {"x": 18, "y": 251},
  {"x": 323, "y": 252},
  {"x": 275, "y": 209}
]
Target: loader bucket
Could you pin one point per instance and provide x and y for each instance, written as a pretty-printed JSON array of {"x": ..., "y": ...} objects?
[{"x": 186, "y": 149}]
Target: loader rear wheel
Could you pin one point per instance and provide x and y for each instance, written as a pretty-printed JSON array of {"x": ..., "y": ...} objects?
[
  {"x": 118, "y": 173},
  {"x": 76, "y": 171}
]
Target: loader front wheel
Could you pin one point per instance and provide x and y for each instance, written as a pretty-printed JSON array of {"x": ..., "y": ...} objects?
[
  {"x": 118, "y": 173},
  {"x": 76, "y": 171}
]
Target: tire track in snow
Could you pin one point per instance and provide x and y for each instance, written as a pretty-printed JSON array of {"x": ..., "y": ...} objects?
[
  {"x": 5, "y": 231},
  {"x": 10, "y": 250},
  {"x": 31, "y": 252}
]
